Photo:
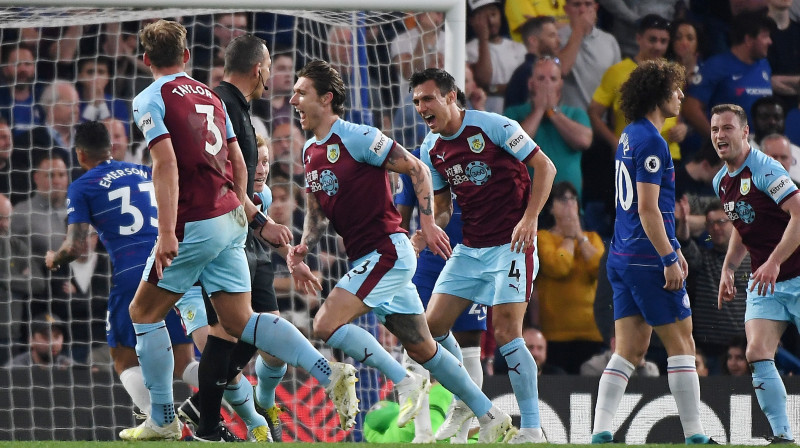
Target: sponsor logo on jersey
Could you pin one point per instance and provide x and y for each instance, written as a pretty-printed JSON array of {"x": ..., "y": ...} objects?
[
  {"x": 478, "y": 172},
  {"x": 380, "y": 144},
  {"x": 146, "y": 123},
  {"x": 329, "y": 183},
  {"x": 744, "y": 187},
  {"x": 780, "y": 187},
  {"x": 652, "y": 164},
  {"x": 745, "y": 212},
  {"x": 518, "y": 141},
  {"x": 333, "y": 153},
  {"x": 476, "y": 143}
]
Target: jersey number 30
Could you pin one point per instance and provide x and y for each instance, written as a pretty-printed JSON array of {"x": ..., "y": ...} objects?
[
  {"x": 623, "y": 193},
  {"x": 127, "y": 208}
]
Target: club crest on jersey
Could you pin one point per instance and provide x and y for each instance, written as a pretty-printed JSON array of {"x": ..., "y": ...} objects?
[
  {"x": 744, "y": 187},
  {"x": 333, "y": 153},
  {"x": 476, "y": 143}
]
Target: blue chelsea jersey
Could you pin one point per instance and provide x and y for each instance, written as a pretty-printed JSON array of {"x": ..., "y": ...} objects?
[
  {"x": 642, "y": 156},
  {"x": 118, "y": 200}
]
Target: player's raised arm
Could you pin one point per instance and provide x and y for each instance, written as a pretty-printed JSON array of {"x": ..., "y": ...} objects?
[
  {"x": 75, "y": 245},
  {"x": 401, "y": 161},
  {"x": 525, "y": 231}
]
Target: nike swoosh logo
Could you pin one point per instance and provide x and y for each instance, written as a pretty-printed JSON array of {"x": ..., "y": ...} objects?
[{"x": 222, "y": 383}]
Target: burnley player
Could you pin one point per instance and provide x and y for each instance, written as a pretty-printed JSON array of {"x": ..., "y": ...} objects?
[
  {"x": 762, "y": 202},
  {"x": 469, "y": 326},
  {"x": 348, "y": 183},
  {"x": 199, "y": 179},
  {"x": 645, "y": 265},
  {"x": 116, "y": 198},
  {"x": 484, "y": 158}
]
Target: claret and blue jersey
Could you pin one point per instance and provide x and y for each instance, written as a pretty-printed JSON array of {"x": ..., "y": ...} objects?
[
  {"x": 345, "y": 172},
  {"x": 484, "y": 166},
  {"x": 752, "y": 197}
]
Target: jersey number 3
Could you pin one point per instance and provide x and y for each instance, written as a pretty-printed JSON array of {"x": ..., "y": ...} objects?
[{"x": 124, "y": 194}]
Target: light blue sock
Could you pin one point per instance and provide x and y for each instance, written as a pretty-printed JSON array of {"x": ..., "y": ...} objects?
[
  {"x": 455, "y": 378},
  {"x": 240, "y": 396},
  {"x": 522, "y": 372},
  {"x": 154, "y": 349},
  {"x": 771, "y": 394},
  {"x": 268, "y": 379},
  {"x": 449, "y": 342},
  {"x": 278, "y": 337},
  {"x": 359, "y": 344}
]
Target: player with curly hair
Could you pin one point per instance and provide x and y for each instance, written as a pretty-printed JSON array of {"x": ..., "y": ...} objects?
[{"x": 645, "y": 265}]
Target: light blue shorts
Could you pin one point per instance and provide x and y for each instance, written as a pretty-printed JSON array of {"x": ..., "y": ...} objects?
[
  {"x": 212, "y": 250},
  {"x": 382, "y": 279},
  {"x": 192, "y": 309},
  {"x": 489, "y": 275},
  {"x": 783, "y": 305}
]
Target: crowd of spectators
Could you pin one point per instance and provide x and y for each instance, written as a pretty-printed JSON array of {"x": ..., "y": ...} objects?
[{"x": 555, "y": 67}]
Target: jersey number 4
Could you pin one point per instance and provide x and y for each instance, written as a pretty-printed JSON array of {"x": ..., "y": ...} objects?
[{"x": 124, "y": 194}]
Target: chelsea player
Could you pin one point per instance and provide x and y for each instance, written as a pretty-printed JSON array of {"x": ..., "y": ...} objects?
[
  {"x": 116, "y": 198},
  {"x": 645, "y": 265}
]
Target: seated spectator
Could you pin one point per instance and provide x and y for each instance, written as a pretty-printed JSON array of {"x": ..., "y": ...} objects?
[
  {"x": 6, "y": 149},
  {"x": 712, "y": 327},
  {"x": 94, "y": 91},
  {"x": 564, "y": 130},
  {"x": 598, "y": 363},
  {"x": 628, "y": 13},
  {"x": 793, "y": 125},
  {"x": 700, "y": 363},
  {"x": 586, "y": 54},
  {"x": 780, "y": 148},
  {"x": 686, "y": 48},
  {"x": 735, "y": 360},
  {"x": 739, "y": 76},
  {"x": 540, "y": 37},
  {"x": 273, "y": 106},
  {"x": 358, "y": 104},
  {"x": 18, "y": 279},
  {"x": 42, "y": 222},
  {"x": 653, "y": 39},
  {"x": 287, "y": 151},
  {"x": 569, "y": 262},
  {"x": 119, "y": 142},
  {"x": 18, "y": 100},
  {"x": 784, "y": 53},
  {"x": 45, "y": 345},
  {"x": 492, "y": 56},
  {"x": 475, "y": 96},
  {"x": 769, "y": 118},
  {"x": 421, "y": 47},
  {"x": 520, "y": 11},
  {"x": 537, "y": 345}
]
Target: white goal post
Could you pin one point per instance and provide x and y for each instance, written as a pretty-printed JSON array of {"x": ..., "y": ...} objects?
[{"x": 87, "y": 402}]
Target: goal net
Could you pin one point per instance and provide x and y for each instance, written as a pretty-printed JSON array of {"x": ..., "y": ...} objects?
[{"x": 61, "y": 66}]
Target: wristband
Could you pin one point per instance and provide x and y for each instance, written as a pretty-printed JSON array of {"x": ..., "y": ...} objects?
[
  {"x": 670, "y": 259},
  {"x": 259, "y": 219}
]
